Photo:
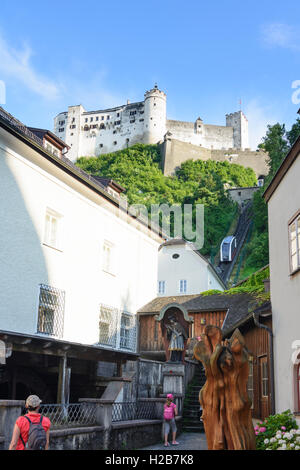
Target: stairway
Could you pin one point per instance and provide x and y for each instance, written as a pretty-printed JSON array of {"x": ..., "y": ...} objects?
[{"x": 191, "y": 407}]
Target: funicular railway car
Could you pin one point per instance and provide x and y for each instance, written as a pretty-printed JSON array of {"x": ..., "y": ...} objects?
[{"x": 228, "y": 249}]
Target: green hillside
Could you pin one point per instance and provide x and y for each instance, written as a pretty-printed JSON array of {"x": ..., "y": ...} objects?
[{"x": 138, "y": 170}]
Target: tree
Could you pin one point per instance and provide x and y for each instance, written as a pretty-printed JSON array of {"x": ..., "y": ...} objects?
[{"x": 275, "y": 143}]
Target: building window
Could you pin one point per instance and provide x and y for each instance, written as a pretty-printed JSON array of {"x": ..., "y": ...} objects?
[
  {"x": 61, "y": 129},
  {"x": 108, "y": 118},
  {"x": 132, "y": 121},
  {"x": 264, "y": 376},
  {"x": 183, "y": 286},
  {"x": 294, "y": 232},
  {"x": 97, "y": 118},
  {"x": 52, "y": 229},
  {"x": 161, "y": 287},
  {"x": 125, "y": 332},
  {"x": 91, "y": 119},
  {"x": 51, "y": 311},
  {"x": 108, "y": 257},
  {"x": 115, "y": 142},
  {"x": 250, "y": 385},
  {"x": 298, "y": 387},
  {"x": 86, "y": 120},
  {"x": 107, "y": 325}
]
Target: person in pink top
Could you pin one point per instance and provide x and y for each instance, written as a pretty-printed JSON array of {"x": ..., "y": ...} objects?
[{"x": 170, "y": 411}]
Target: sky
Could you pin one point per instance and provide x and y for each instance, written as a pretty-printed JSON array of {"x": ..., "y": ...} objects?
[{"x": 210, "y": 58}]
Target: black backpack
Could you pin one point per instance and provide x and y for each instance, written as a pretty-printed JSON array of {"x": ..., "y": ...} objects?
[{"x": 36, "y": 436}]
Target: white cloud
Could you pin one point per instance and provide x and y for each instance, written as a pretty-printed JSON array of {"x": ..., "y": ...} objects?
[
  {"x": 259, "y": 117},
  {"x": 281, "y": 35},
  {"x": 15, "y": 65}
]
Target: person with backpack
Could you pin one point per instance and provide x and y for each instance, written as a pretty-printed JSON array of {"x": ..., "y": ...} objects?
[
  {"x": 31, "y": 431},
  {"x": 170, "y": 411}
]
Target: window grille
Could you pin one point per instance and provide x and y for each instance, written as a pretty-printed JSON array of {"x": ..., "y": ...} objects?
[
  {"x": 128, "y": 332},
  {"x": 108, "y": 320},
  {"x": 117, "y": 329},
  {"x": 51, "y": 311}
]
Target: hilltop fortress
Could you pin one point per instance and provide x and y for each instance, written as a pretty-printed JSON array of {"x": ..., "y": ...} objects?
[{"x": 92, "y": 133}]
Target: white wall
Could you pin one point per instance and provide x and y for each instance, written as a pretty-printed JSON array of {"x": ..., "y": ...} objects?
[
  {"x": 189, "y": 266},
  {"x": 28, "y": 185},
  {"x": 285, "y": 289}
]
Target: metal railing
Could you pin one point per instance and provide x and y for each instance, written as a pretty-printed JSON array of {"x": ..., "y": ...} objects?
[
  {"x": 73, "y": 414},
  {"x": 128, "y": 411}
]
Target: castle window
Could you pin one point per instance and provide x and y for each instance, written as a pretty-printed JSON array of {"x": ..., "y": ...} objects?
[
  {"x": 97, "y": 118},
  {"x": 115, "y": 142},
  {"x": 161, "y": 287},
  {"x": 102, "y": 118},
  {"x": 118, "y": 114},
  {"x": 154, "y": 104},
  {"x": 102, "y": 126},
  {"x": 91, "y": 119},
  {"x": 141, "y": 120},
  {"x": 86, "y": 120},
  {"x": 108, "y": 117},
  {"x": 141, "y": 112},
  {"x": 101, "y": 145},
  {"x": 114, "y": 132},
  {"x": 132, "y": 120},
  {"x": 61, "y": 129}
]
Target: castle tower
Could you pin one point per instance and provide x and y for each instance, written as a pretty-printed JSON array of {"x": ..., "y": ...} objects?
[
  {"x": 155, "y": 111},
  {"x": 239, "y": 122}
]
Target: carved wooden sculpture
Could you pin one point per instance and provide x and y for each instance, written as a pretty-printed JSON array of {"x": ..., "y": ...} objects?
[{"x": 224, "y": 399}]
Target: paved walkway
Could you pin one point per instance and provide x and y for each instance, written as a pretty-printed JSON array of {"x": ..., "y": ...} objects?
[{"x": 186, "y": 440}]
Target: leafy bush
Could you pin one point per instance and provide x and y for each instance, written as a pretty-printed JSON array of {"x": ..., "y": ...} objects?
[
  {"x": 138, "y": 170},
  {"x": 278, "y": 432}
]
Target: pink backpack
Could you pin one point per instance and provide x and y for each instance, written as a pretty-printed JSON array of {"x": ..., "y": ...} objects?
[{"x": 169, "y": 411}]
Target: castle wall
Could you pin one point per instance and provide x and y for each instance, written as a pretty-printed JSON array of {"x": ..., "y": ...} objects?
[
  {"x": 175, "y": 152},
  {"x": 204, "y": 135}
]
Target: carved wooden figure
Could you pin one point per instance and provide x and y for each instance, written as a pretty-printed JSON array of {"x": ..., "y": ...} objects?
[{"x": 224, "y": 399}]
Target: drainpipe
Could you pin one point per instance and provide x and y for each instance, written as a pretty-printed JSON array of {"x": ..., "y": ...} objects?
[{"x": 272, "y": 386}]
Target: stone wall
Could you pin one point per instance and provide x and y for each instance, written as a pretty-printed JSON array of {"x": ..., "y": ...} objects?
[
  {"x": 175, "y": 152},
  {"x": 242, "y": 195}
]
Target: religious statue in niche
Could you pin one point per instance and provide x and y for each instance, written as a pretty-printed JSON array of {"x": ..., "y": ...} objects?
[
  {"x": 175, "y": 333},
  {"x": 224, "y": 399}
]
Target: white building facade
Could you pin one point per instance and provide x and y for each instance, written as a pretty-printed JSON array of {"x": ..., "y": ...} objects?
[
  {"x": 182, "y": 270},
  {"x": 283, "y": 196},
  {"x": 74, "y": 267},
  {"x": 92, "y": 133}
]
